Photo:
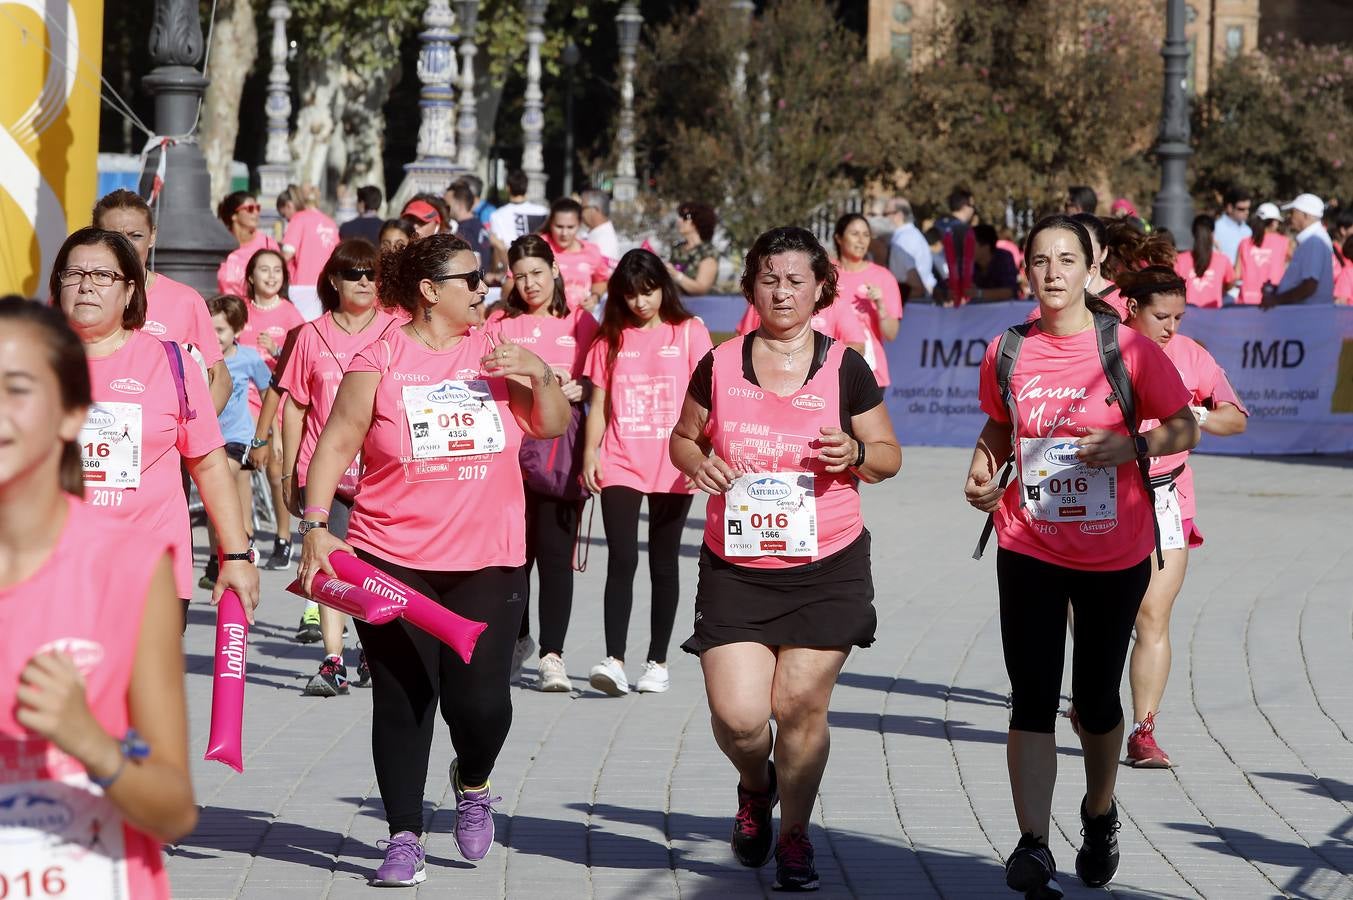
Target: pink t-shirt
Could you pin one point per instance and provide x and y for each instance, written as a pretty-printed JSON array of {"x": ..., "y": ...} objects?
[
  {"x": 314, "y": 369},
  {"x": 1261, "y": 263},
  {"x": 837, "y": 321},
  {"x": 1205, "y": 381},
  {"x": 176, "y": 312},
  {"x": 231, "y": 276},
  {"x": 441, "y": 513},
  {"x": 136, "y": 381},
  {"x": 1204, "y": 290},
  {"x": 757, "y": 431},
  {"x": 275, "y": 322},
  {"x": 313, "y": 236},
  {"x": 852, "y": 289},
  {"x": 1060, "y": 390},
  {"x": 561, "y": 342},
  {"x": 645, "y": 393},
  {"x": 86, "y": 600},
  {"x": 1014, "y": 250},
  {"x": 580, "y": 269},
  {"x": 1343, "y": 281}
]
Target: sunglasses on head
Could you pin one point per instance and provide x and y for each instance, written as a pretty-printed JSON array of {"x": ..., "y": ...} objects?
[
  {"x": 357, "y": 274},
  {"x": 472, "y": 279}
]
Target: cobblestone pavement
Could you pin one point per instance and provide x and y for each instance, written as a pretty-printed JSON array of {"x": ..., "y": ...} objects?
[{"x": 629, "y": 798}]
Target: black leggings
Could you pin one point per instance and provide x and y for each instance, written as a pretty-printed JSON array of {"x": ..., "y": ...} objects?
[
  {"x": 551, "y": 529},
  {"x": 666, "y": 519},
  {"x": 1034, "y": 595},
  {"x": 411, "y": 670}
]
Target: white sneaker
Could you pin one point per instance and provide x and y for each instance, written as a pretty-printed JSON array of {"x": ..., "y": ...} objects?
[
  {"x": 552, "y": 675},
  {"x": 655, "y": 679},
  {"x": 608, "y": 676},
  {"x": 525, "y": 647}
]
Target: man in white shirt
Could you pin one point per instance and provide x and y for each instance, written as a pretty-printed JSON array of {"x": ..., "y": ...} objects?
[
  {"x": 1309, "y": 278},
  {"x": 909, "y": 251},
  {"x": 518, "y": 216},
  {"x": 600, "y": 229}
]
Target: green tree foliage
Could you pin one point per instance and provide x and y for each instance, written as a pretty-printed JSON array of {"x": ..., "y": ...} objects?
[{"x": 1278, "y": 122}]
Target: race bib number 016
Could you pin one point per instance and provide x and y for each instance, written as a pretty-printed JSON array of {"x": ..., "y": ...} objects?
[
  {"x": 110, "y": 445},
  {"x": 454, "y": 418},
  {"x": 1058, "y": 487},
  {"x": 60, "y": 840},
  {"x": 771, "y": 514}
]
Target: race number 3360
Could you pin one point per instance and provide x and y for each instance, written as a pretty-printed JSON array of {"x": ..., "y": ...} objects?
[{"x": 1058, "y": 487}]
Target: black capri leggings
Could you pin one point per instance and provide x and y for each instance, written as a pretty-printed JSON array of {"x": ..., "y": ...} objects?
[
  {"x": 666, "y": 518},
  {"x": 551, "y": 531},
  {"x": 411, "y": 671},
  {"x": 1034, "y": 595}
]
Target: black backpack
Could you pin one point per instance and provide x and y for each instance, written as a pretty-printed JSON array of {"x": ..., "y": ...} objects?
[{"x": 1120, "y": 387}]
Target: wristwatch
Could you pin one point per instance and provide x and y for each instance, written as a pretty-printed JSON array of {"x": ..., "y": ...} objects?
[
  {"x": 256, "y": 443},
  {"x": 306, "y": 525},
  {"x": 249, "y": 555},
  {"x": 1143, "y": 450}
]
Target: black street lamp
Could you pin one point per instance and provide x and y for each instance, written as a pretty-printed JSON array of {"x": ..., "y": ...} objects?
[
  {"x": 1174, "y": 206},
  {"x": 570, "y": 58}
]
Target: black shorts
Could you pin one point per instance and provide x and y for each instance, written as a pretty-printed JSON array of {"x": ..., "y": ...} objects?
[
  {"x": 237, "y": 452},
  {"x": 827, "y": 603}
]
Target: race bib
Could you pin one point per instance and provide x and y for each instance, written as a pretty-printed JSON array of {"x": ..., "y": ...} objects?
[
  {"x": 1058, "y": 487},
  {"x": 58, "y": 839},
  {"x": 110, "y": 445},
  {"x": 1170, "y": 519},
  {"x": 454, "y": 418},
  {"x": 771, "y": 514}
]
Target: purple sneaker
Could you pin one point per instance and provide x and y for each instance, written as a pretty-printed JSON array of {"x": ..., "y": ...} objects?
[
  {"x": 474, "y": 818},
  {"x": 403, "y": 864}
]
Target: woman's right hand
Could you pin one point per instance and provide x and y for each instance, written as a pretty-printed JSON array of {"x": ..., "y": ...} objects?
[
  {"x": 591, "y": 471},
  {"x": 982, "y": 490},
  {"x": 260, "y": 456},
  {"x": 315, "y": 549},
  {"x": 714, "y": 476}
]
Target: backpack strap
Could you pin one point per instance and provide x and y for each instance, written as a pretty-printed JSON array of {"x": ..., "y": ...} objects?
[
  {"x": 171, "y": 350},
  {"x": 1120, "y": 386},
  {"x": 1007, "y": 354}
]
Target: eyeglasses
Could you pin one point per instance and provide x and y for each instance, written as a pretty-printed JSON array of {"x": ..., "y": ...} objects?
[
  {"x": 472, "y": 279},
  {"x": 685, "y": 217},
  {"x": 98, "y": 277},
  {"x": 357, "y": 274},
  {"x": 248, "y": 207}
]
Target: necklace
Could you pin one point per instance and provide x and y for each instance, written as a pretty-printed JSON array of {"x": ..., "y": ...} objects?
[
  {"x": 790, "y": 354},
  {"x": 364, "y": 324},
  {"x": 421, "y": 338}
]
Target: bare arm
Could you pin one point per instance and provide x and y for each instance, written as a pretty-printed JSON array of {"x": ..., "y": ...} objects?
[
  {"x": 594, "y": 428},
  {"x": 216, "y": 483},
  {"x": 266, "y": 416},
  {"x": 220, "y": 385},
  {"x": 1225, "y": 420},
  {"x": 1292, "y": 295},
  {"x": 293, "y": 427},
  {"x": 690, "y": 451}
]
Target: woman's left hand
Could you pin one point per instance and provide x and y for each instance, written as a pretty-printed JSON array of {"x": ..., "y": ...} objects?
[
  {"x": 52, "y": 704},
  {"x": 241, "y": 576},
  {"x": 1101, "y": 449},
  {"x": 267, "y": 344},
  {"x": 512, "y": 359},
  {"x": 573, "y": 390},
  {"x": 836, "y": 449}
]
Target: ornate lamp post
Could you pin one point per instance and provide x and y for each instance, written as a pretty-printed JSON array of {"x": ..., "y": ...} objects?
[
  {"x": 467, "y": 129},
  {"x": 275, "y": 173},
  {"x": 1174, "y": 206},
  {"x": 533, "y": 118},
  {"x": 571, "y": 57},
  {"x": 627, "y": 22},
  {"x": 434, "y": 167},
  {"x": 743, "y": 11},
  {"x": 192, "y": 241}
]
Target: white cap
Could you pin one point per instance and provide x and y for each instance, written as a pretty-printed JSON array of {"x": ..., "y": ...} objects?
[
  {"x": 1309, "y": 204},
  {"x": 1268, "y": 212}
]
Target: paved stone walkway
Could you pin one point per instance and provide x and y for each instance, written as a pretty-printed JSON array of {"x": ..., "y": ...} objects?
[{"x": 629, "y": 798}]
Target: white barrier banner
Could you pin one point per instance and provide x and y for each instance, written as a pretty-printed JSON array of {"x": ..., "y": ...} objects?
[{"x": 1293, "y": 368}]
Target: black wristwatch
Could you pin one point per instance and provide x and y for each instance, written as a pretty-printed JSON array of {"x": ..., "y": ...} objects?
[
  {"x": 1143, "y": 451},
  {"x": 305, "y": 526},
  {"x": 859, "y": 455},
  {"x": 247, "y": 556}
]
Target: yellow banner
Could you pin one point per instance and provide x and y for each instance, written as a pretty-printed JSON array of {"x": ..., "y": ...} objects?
[{"x": 49, "y": 132}]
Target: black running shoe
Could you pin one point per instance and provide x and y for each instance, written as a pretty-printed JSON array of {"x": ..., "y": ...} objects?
[
  {"x": 308, "y": 631},
  {"x": 753, "y": 834},
  {"x": 794, "y": 869},
  {"x": 363, "y": 670},
  {"x": 1097, "y": 860},
  {"x": 331, "y": 679},
  {"x": 281, "y": 556},
  {"x": 1032, "y": 870}
]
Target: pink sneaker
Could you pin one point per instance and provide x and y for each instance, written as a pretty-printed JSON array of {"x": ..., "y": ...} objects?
[{"x": 1142, "y": 750}]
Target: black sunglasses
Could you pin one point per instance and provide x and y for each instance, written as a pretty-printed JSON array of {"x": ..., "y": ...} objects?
[
  {"x": 472, "y": 279},
  {"x": 357, "y": 274}
]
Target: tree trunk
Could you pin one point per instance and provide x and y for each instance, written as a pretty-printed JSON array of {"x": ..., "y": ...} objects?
[
  {"x": 364, "y": 99},
  {"x": 234, "y": 48}
]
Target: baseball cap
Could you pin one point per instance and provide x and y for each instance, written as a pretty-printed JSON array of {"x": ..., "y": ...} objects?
[
  {"x": 1309, "y": 204},
  {"x": 421, "y": 209},
  {"x": 1268, "y": 212}
]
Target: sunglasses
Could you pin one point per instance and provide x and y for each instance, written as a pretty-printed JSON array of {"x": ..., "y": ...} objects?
[
  {"x": 472, "y": 279},
  {"x": 686, "y": 217},
  {"x": 248, "y": 207},
  {"x": 357, "y": 274}
]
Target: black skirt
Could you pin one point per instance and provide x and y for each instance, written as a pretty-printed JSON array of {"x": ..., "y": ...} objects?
[{"x": 827, "y": 603}]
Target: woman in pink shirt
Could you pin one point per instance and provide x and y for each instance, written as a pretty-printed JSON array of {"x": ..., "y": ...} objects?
[
  {"x": 309, "y": 239},
  {"x": 779, "y": 428},
  {"x": 438, "y": 410},
  {"x": 580, "y": 262},
  {"x": 151, "y": 411},
  {"x": 867, "y": 289},
  {"x": 93, "y": 721},
  {"x": 639, "y": 367},
  {"x": 1074, "y": 524},
  {"x": 239, "y": 213},
  {"x": 1263, "y": 257},
  {"x": 1156, "y": 306},
  {"x": 174, "y": 311},
  {"x": 535, "y": 314},
  {"x": 319, "y": 357},
  {"x": 1207, "y": 274}
]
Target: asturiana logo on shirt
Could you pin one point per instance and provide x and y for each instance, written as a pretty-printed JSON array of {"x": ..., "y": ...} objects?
[
  {"x": 566, "y": 340},
  {"x": 808, "y": 402},
  {"x": 768, "y": 489},
  {"x": 128, "y": 386},
  {"x": 1063, "y": 454},
  {"x": 153, "y": 327},
  {"x": 98, "y": 418},
  {"x": 1102, "y": 527}
]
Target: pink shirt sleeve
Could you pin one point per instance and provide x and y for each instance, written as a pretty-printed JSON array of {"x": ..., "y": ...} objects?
[
  {"x": 1212, "y": 381},
  {"x": 700, "y": 342},
  {"x": 201, "y": 435},
  {"x": 370, "y": 359},
  {"x": 749, "y": 322},
  {"x": 594, "y": 365},
  {"x": 584, "y": 332},
  {"x": 1228, "y": 272},
  {"x": 295, "y": 378}
]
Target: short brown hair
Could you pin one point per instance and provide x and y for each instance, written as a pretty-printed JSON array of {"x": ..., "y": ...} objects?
[
  {"x": 354, "y": 253},
  {"x": 703, "y": 217},
  {"x": 128, "y": 263},
  {"x": 791, "y": 240},
  {"x": 233, "y": 308}
]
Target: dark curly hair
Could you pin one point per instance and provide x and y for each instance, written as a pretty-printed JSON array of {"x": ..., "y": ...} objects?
[
  {"x": 1147, "y": 284},
  {"x": 790, "y": 240},
  {"x": 400, "y": 271},
  {"x": 703, "y": 217}
]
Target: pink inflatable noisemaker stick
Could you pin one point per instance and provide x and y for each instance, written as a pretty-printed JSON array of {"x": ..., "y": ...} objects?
[
  {"x": 227, "y": 691},
  {"x": 365, "y": 592}
]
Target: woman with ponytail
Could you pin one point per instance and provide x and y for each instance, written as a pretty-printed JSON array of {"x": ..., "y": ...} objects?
[{"x": 1207, "y": 274}]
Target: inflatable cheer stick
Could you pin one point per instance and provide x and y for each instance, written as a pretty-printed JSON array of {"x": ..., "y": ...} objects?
[
  {"x": 365, "y": 592},
  {"x": 227, "y": 685}
]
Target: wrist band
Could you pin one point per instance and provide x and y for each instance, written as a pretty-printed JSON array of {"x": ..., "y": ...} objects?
[
  {"x": 859, "y": 455},
  {"x": 314, "y": 509},
  {"x": 130, "y": 747}
]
